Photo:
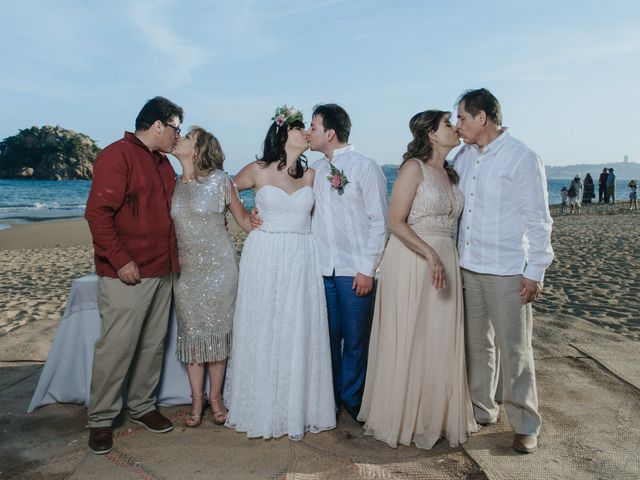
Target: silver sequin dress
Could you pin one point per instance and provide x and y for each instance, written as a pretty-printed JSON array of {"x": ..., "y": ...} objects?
[{"x": 205, "y": 290}]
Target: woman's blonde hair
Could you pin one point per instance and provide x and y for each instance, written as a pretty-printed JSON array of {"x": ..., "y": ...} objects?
[{"x": 208, "y": 154}]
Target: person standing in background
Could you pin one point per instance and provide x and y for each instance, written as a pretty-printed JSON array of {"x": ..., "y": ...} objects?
[
  {"x": 575, "y": 194},
  {"x": 588, "y": 193},
  {"x": 633, "y": 194},
  {"x": 602, "y": 186},
  {"x": 610, "y": 195},
  {"x": 563, "y": 198}
]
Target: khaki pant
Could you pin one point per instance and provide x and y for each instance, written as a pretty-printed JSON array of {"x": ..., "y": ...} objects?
[
  {"x": 134, "y": 323},
  {"x": 495, "y": 317}
]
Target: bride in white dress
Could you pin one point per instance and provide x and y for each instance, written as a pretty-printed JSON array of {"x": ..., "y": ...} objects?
[{"x": 279, "y": 373}]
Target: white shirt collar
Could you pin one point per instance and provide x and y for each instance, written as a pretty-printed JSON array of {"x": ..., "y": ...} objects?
[
  {"x": 341, "y": 151},
  {"x": 497, "y": 143}
]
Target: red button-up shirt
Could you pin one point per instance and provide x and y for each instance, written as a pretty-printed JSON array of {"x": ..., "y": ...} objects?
[{"x": 128, "y": 210}]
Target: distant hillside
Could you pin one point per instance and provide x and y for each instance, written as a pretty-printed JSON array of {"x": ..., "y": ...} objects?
[
  {"x": 48, "y": 153},
  {"x": 622, "y": 170}
]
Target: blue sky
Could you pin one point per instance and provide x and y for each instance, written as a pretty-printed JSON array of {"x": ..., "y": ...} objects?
[{"x": 566, "y": 72}]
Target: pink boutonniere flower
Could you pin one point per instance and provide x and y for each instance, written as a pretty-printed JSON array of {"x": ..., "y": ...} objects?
[{"x": 337, "y": 179}]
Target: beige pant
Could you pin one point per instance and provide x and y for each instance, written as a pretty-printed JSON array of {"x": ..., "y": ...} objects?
[
  {"x": 495, "y": 317},
  {"x": 134, "y": 323}
]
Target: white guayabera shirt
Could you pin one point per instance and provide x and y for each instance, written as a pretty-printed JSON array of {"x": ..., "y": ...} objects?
[
  {"x": 505, "y": 227},
  {"x": 350, "y": 230}
]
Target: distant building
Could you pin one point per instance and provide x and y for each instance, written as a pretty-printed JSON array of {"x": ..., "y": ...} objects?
[{"x": 626, "y": 159}]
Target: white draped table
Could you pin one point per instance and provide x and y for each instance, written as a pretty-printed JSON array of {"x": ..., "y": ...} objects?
[{"x": 66, "y": 377}]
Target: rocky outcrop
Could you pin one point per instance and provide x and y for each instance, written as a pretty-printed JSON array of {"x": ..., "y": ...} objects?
[{"x": 48, "y": 153}]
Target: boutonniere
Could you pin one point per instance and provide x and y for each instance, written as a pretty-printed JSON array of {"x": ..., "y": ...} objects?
[{"x": 337, "y": 179}]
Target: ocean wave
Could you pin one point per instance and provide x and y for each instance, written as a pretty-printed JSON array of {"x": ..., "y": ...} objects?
[{"x": 39, "y": 206}]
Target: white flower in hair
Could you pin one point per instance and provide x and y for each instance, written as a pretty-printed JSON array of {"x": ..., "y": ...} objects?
[{"x": 286, "y": 114}]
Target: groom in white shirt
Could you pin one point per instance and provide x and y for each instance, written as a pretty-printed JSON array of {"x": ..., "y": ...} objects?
[
  {"x": 349, "y": 224},
  {"x": 505, "y": 247}
]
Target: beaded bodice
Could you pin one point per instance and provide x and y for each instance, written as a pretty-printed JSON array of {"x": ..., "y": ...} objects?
[
  {"x": 432, "y": 212},
  {"x": 198, "y": 209}
]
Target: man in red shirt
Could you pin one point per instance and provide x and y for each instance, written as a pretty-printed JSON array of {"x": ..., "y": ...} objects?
[{"x": 135, "y": 257}]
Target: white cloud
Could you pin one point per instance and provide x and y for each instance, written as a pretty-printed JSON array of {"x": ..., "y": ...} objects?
[{"x": 177, "y": 54}]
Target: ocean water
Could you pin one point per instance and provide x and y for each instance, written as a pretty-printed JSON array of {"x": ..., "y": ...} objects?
[{"x": 37, "y": 200}]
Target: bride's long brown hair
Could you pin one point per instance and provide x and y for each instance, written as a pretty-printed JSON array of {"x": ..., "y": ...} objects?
[{"x": 421, "y": 147}]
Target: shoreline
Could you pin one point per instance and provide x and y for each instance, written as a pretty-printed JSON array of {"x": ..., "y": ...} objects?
[
  {"x": 35, "y": 233},
  {"x": 21, "y": 219}
]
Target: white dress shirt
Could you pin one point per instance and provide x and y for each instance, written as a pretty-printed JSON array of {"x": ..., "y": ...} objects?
[
  {"x": 350, "y": 230},
  {"x": 505, "y": 227}
]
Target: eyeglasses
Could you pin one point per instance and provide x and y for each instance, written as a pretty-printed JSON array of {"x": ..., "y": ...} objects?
[{"x": 175, "y": 129}]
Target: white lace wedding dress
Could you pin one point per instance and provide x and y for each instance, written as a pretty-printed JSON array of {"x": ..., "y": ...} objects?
[{"x": 279, "y": 373}]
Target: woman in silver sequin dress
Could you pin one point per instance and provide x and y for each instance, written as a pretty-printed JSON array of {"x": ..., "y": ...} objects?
[
  {"x": 205, "y": 290},
  {"x": 416, "y": 388}
]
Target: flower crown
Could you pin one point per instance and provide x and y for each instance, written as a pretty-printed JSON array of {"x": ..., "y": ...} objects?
[{"x": 286, "y": 114}]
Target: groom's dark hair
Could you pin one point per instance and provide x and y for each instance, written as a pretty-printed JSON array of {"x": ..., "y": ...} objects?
[{"x": 334, "y": 117}]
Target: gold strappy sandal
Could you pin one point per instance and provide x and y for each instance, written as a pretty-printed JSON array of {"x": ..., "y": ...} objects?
[
  {"x": 219, "y": 416},
  {"x": 195, "y": 419}
]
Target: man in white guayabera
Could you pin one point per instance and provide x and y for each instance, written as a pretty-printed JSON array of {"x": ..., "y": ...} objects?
[
  {"x": 349, "y": 224},
  {"x": 505, "y": 247}
]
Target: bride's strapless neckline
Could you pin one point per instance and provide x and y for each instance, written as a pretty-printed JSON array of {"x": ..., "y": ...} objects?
[{"x": 282, "y": 190}]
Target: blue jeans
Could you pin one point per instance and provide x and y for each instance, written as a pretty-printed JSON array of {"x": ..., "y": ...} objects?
[{"x": 349, "y": 330}]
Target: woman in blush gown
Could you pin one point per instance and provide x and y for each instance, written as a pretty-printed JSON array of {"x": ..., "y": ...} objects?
[
  {"x": 205, "y": 290},
  {"x": 416, "y": 387},
  {"x": 279, "y": 375}
]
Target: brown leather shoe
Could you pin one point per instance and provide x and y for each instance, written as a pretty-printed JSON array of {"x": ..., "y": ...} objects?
[
  {"x": 154, "y": 421},
  {"x": 524, "y": 443},
  {"x": 100, "y": 440}
]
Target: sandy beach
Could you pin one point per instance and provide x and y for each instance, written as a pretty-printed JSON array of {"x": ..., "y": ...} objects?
[
  {"x": 596, "y": 271},
  {"x": 595, "y": 275},
  {"x": 586, "y": 345}
]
